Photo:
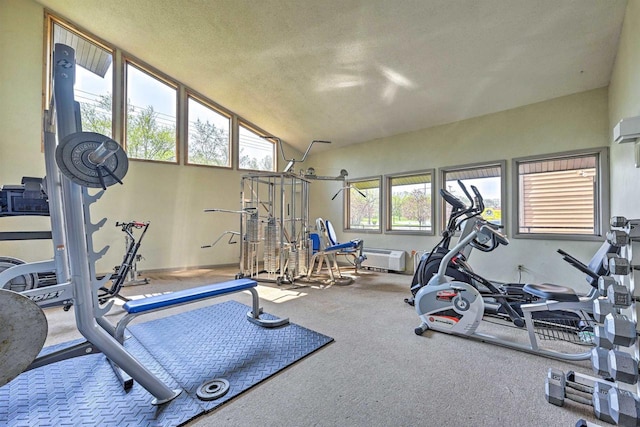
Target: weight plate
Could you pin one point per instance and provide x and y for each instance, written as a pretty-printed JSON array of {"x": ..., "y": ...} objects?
[
  {"x": 72, "y": 158},
  {"x": 20, "y": 283},
  {"x": 22, "y": 335},
  {"x": 213, "y": 389}
]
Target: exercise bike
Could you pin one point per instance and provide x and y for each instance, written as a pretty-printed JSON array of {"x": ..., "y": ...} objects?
[
  {"x": 127, "y": 269},
  {"x": 458, "y": 307}
]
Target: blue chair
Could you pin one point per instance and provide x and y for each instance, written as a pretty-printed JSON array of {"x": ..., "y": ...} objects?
[{"x": 326, "y": 249}]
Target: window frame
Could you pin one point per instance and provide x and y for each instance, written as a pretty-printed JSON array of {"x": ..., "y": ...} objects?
[
  {"x": 346, "y": 211},
  {"x": 388, "y": 187},
  {"x": 502, "y": 164},
  {"x": 162, "y": 78},
  {"x": 190, "y": 94},
  {"x": 51, "y": 19},
  {"x": 249, "y": 126},
  {"x": 601, "y": 196}
]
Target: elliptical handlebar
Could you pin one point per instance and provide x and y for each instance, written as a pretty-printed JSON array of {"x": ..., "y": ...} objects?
[
  {"x": 492, "y": 233},
  {"x": 478, "y": 199},
  {"x": 455, "y": 202},
  {"x": 460, "y": 209}
]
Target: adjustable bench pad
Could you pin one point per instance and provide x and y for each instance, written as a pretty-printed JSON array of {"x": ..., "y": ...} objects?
[{"x": 188, "y": 295}]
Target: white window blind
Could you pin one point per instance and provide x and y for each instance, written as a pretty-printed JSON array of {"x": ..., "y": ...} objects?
[{"x": 558, "y": 196}]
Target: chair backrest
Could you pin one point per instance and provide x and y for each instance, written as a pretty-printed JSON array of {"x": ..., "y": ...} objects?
[
  {"x": 331, "y": 233},
  {"x": 322, "y": 234},
  {"x": 315, "y": 242}
]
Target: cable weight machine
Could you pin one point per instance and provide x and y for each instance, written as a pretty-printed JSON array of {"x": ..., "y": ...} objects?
[
  {"x": 274, "y": 226},
  {"x": 275, "y": 245}
]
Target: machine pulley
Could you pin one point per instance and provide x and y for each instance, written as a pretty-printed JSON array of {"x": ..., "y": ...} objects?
[{"x": 91, "y": 160}]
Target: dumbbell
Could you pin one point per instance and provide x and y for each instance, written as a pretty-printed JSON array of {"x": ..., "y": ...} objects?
[
  {"x": 559, "y": 387},
  {"x": 614, "y": 364},
  {"x": 617, "y": 238},
  {"x": 618, "y": 265},
  {"x": 624, "y": 407},
  {"x": 620, "y": 330},
  {"x": 618, "y": 221},
  {"x": 615, "y": 292},
  {"x": 617, "y": 329}
]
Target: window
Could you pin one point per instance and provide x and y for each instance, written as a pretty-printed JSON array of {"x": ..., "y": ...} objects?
[
  {"x": 487, "y": 178},
  {"x": 410, "y": 203},
  {"x": 208, "y": 140},
  {"x": 562, "y": 194},
  {"x": 363, "y": 205},
  {"x": 151, "y": 116},
  {"x": 94, "y": 78},
  {"x": 255, "y": 152}
]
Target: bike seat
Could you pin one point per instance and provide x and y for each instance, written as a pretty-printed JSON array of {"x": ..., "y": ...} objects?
[{"x": 551, "y": 292}]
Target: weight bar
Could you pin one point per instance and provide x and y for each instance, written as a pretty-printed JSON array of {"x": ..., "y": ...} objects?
[
  {"x": 614, "y": 364},
  {"x": 91, "y": 160}
]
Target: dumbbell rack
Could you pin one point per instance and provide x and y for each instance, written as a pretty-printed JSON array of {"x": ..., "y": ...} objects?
[{"x": 615, "y": 395}]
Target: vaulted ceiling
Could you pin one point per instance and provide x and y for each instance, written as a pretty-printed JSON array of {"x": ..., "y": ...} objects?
[{"x": 355, "y": 70}]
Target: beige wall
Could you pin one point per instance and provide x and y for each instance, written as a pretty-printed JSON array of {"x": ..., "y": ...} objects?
[
  {"x": 21, "y": 40},
  {"x": 172, "y": 197},
  {"x": 562, "y": 124},
  {"x": 624, "y": 101}
]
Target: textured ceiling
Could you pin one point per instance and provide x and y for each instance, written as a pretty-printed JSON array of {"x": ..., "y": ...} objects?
[{"x": 355, "y": 70}]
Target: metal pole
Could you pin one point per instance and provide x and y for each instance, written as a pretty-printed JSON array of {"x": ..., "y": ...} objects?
[{"x": 67, "y": 123}]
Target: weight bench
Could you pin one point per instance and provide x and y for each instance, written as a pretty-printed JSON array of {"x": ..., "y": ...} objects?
[{"x": 135, "y": 308}]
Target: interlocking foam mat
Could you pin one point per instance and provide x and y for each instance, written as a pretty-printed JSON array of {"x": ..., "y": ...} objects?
[{"x": 183, "y": 350}]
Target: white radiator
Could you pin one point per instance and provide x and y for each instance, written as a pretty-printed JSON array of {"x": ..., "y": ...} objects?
[{"x": 384, "y": 259}]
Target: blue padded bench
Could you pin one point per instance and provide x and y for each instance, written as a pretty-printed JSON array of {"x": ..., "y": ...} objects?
[
  {"x": 141, "y": 306},
  {"x": 326, "y": 247}
]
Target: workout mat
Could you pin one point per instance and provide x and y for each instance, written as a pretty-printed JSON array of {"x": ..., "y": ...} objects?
[{"x": 184, "y": 350}]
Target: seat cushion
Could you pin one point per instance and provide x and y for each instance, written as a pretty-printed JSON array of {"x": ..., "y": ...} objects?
[{"x": 552, "y": 292}]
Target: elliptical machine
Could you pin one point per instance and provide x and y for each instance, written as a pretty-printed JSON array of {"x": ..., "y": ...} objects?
[
  {"x": 463, "y": 217},
  {"x": 457, "y": 307},
  {"x": 458, "y": 269}
]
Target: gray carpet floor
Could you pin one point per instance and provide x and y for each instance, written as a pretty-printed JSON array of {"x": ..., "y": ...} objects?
[{"x": 377, "y": 372}]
